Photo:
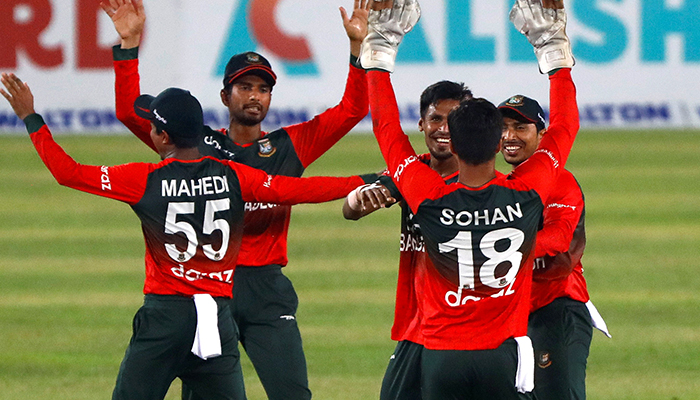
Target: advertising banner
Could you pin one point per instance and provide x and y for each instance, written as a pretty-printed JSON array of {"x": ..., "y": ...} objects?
[{"x": 638, "y": 61}]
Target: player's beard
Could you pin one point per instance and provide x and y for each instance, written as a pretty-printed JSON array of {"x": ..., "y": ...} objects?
[{"x": 246, "y": 120}]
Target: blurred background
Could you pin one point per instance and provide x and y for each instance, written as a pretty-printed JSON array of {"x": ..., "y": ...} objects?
[{"x": 638, "y": 60}]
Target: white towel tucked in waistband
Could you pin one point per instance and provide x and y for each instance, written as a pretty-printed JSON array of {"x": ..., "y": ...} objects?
[
  {"x": 525, "y": 376},
  {"x": 207, "y": 343},
  {"x": 597, "y": 319}
]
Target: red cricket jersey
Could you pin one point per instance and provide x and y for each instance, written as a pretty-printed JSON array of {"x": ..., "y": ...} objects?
[
  {"x": 558, "y": 271},
  {"x": 413, "y": 262},
  {"x": 286, "y": 151},
  {"x": 477, "y": 294},
  {"x": 191, "y": 212}
]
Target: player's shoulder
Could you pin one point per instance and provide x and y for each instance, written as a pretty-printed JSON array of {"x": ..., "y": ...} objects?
[
  {"x": 568, "y": 180},
  {"x": 566, "y": 189}
]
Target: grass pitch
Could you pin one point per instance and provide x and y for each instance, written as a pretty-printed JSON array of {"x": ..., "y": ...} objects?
[{"x": 71, "y": 271}]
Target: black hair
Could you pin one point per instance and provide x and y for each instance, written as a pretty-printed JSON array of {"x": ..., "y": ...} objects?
[
  {"x": 186, "y": 142},
  {"x": 475, "y": 130},
  {"x": 443, "y": 90},
  {"x": 181, "y": 142}
]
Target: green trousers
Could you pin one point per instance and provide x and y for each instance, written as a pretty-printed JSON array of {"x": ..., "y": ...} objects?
[
  {"x": 402, "y": 377},
  {"x": 264, "y": 307},
  {"x": 160, "y": 351},
  {"x": 471, "y": 374},
  {"x": 561, "y": 336}
]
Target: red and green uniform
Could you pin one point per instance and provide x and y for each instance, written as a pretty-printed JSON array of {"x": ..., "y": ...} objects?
[
  {"x": 264, "y": 302},
  {"x": 191, "y": 215},
  {"x": 560, "y": 324},
  {"x": 402, "y": 377},
  {"x": 480, "y": 240},
  {"x": 560, "y": 244}
]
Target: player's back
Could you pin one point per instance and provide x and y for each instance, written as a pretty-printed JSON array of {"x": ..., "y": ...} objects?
[
  {"x": 478, "y": 240},
  {"x": 192, "y": 220}
]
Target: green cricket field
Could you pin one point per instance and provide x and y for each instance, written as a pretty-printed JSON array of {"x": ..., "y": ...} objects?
[{"x": 71, "y": 271}]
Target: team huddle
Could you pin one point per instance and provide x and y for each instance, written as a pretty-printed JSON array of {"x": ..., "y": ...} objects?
[{"x": 491, "y": 302}]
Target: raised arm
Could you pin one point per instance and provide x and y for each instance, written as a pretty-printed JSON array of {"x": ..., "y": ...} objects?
[
  {"x": 546, "y": 31},
  {"x": 313, "y": 138},
  {"x": 386, "y": 30},
  {"x": 129, "y": 18}
]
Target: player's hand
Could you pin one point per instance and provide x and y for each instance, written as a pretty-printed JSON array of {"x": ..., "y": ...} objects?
[
  {"x": 387, "y": 28},
  {"x": 356, "y": 24},
  {"x": 543, "y": 22},
  {"x": 370, "y": 197},
  {"x": 553, "y": 4},
  {"x": 375, "y": 196},
  {"x": 18, "y": 95},
  {"x": 129, "y": 18}
]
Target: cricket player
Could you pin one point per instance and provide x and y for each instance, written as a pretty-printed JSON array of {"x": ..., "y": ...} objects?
[
  {"x": 264, "y": 301},
  {"x": 191, "y": 210},
  {"x": 479, "y": 232},
  {"x": 562, "y": 317},
  {"x": 402, "y": 377}
]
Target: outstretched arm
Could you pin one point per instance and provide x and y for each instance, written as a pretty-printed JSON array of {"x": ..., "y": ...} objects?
[
  {"x": 386, "y": 30},
  {"x": 125, "y": 182},
  {"x": 258, "y": 186}
]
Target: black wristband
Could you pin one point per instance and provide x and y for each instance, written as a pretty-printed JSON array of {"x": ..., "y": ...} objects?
[
  {"x": 389, "y": 184},
  {"x": 33, "y": 122},
  {"x": 369, "y": 178},
  {"x": 119, "y": 54},
  {"x": 355, "y": 62}
]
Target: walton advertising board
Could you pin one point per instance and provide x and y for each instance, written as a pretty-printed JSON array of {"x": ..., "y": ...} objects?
[{"x": 638, "y": 61}]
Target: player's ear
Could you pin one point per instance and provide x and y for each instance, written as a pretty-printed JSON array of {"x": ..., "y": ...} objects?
[
  {"x": 224, "y": 97},
  {"x": 540, "y": 135},
  {"x": 165, "y": 138}
]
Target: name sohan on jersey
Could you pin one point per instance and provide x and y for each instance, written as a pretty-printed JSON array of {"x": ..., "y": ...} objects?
[{"x": 486, "y": 217}]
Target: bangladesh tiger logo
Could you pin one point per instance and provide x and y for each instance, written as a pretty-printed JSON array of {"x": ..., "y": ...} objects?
[{"x": 266, "y": 149}]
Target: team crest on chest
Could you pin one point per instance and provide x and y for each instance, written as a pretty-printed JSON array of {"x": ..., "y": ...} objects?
[{"x": 265, "y": 148}]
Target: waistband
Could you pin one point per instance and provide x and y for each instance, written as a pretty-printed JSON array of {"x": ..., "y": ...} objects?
[
  {"x": 262, "y": 269},
  {"x": 174, "y": 298}
]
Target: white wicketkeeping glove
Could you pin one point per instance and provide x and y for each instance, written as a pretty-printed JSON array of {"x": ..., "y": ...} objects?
[
  {"x": 386, "y": 29},
  {"x": 545, "y": 29}
]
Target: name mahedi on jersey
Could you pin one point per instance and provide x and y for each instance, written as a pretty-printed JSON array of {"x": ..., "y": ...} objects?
[{"x": 194, "y": 187}]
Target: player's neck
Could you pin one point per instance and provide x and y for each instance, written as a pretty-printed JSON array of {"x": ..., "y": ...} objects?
[
  {"x": 476, "y": 175},
  {"x": 244, "y": 134},
  {"x": 444, "y": 166},
  {"x": 182, "y": 154}
]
